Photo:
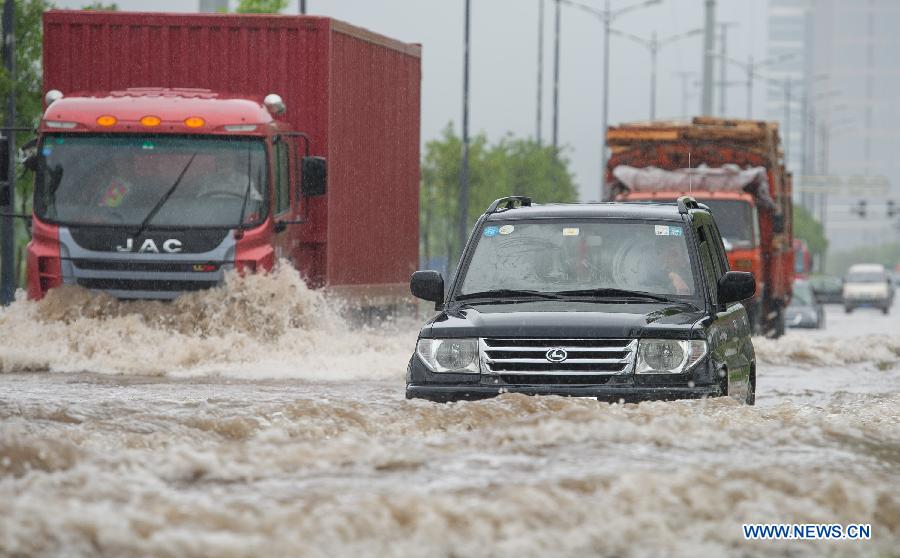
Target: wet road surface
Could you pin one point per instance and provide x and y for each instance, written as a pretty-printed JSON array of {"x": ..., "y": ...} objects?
[{"x": 159, "y": 431}]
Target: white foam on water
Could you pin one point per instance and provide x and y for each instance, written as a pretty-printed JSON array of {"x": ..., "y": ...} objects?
[
  {"x": 194, "y": 470},
  {"x": 259, "y": 326},
  {"x": 797, "y": 349}
]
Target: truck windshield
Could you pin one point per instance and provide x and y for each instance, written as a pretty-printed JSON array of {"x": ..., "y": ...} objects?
[
  {"x": 736, "y": 221},
  {"x": 118, "y": 180},
  {"x": 592, "y": 255}
]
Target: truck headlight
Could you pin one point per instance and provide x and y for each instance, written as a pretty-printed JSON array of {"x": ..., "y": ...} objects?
[
  {"x": 668, "y": 356},
  {"x": 458, "y": 356}
]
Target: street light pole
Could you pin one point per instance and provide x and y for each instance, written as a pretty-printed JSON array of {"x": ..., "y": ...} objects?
[
  {"x": 706, "y": 104},
  {"x": 605, "y": 124},
  {"x": 607, "y": 15},
  {"x": 556, "y": 80},
  {"x": 723, "y": 67},
  {"x": 8, "y": 190},
  {"x": 464, "y": 173},
  {"x": 540, "y": 70},
  {"x": 654, "y": 44},
  {"x": 303, "y": 7}
]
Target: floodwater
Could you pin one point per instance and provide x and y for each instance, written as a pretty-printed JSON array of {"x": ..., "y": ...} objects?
[{"x": 251, "y": 421}]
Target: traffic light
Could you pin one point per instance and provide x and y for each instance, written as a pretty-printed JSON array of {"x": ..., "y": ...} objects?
[{"x": 860, "y": 208}]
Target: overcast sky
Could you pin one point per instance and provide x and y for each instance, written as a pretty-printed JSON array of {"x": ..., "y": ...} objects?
[{"x": 504, "y": 62}]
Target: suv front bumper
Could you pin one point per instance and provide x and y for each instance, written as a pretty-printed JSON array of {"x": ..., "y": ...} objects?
[{"x": 443, "y": 393}]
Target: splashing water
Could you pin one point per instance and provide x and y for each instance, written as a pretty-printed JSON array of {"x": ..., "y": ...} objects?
[{"x": 259, "y": 326}]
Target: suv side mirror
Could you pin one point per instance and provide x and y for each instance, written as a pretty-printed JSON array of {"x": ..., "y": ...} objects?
[
  {"x": 778, "y": 223},
  {"x": 315, "y": 177},
  {"x": 427, "y": 285},
  {"x": 736, "y": 286}
]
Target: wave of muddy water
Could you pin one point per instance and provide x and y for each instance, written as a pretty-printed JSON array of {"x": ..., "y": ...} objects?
[{"x": 250, "y": 421}]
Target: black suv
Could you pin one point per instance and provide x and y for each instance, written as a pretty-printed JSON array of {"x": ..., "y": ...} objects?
[{"x": 608, "y": 300}]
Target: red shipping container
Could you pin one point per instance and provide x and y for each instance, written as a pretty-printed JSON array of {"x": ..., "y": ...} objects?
[{"x": 355, "y": 93}]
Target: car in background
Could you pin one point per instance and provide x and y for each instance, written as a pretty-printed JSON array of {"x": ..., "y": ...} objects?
[
  {"x": 868, "y": 285},
  {"x": 805, "y": 309},
  {"x": 828, "y": 289}
]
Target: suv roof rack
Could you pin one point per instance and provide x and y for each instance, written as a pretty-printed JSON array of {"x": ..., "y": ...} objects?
[
  {"x": 509, "y": 201},
  {"x": 687, "y": 203}
]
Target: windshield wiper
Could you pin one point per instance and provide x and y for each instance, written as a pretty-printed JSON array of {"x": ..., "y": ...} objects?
[
  {"x": 508, "y": 293},
  {"x": 613, "y": 293},
  {"x": 162, "y": 201}
]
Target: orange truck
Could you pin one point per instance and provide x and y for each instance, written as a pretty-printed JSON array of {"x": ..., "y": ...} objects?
[{"x": 736, "y": 167}]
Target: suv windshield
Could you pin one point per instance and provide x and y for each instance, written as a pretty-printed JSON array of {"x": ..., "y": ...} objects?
[
  {"x": 119, "y": 179},
  {"x": 736, "y": 221},
  {"x": 556, "y": 256}
]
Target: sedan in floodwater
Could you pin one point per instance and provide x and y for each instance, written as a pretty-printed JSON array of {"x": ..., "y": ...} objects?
[{"x": 805, "y": 310}]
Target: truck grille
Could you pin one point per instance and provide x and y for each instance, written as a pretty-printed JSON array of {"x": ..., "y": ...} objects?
[
  {"x": 152, "y": 285},
  {"x": 587, "y": 361}
]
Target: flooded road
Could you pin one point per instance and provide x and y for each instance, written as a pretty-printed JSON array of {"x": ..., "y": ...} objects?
[{"x": 234, "y": 426}]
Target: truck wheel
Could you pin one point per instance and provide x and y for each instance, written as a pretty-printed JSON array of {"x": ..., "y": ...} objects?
[
  {"x": 848, "y": 309},
  {"x": 886, "y": 310},
  {"x": 776, "y": 325}
]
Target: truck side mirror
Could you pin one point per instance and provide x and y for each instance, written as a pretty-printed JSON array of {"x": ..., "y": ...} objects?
[
  {"x": 315, "y": 177},
  {"x": 735, "y": 286},
  {"x": 29, "y": 151},
  {"x": 778, "y": 223},
  {"x": 427, "y": 285}
]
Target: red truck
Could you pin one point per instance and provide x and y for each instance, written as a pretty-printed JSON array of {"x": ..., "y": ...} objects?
[
  {"x": 176, "y": 147},
  {"x": 736, "y": 167}
]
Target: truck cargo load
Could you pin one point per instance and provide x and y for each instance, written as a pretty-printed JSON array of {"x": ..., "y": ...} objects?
[
  {"x": 734, "y": 166},
  {"x": 318, "y": 117}
]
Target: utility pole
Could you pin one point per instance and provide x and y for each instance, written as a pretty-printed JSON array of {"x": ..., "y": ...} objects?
[
  {"x": 556, "y": 81},
  {"x": 303, "y": 7},
  {"x": 540, "y": 70},
  {"x": 723, "y": 66},
  {"x": 685, "y": 88},
  {"x": 709, "y": 31},
  {"x": 464, "y": 173},
  {"x": 605, "y": 125},
  {"x": 8, "y": 190},
  {"x": 750, "y": 72}
]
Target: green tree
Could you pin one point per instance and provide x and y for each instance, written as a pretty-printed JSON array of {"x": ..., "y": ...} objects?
[
  {"x": 509, "y": 166},
  {"x": 261, "y": 6},
  {"x": 807, "y": 228},
  {"x": 111, "y": 7},
  {"x": 886, "y": 254}
]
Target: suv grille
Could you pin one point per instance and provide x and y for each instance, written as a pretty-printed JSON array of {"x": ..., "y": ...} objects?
[{"x": 587, "y": 361}]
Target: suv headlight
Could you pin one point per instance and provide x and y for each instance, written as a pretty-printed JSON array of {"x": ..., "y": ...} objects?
[
  {"x": 668, "y": 356},
  {"x": 458, "y": 356}
]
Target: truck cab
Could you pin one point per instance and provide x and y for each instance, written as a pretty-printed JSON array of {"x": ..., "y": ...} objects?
[{"x": 151, "y": 192}]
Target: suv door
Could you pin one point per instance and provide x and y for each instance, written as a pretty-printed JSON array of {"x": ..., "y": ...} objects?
[
  {"x": 724, "y": 336},
  {"x": 738, "y": 321}
]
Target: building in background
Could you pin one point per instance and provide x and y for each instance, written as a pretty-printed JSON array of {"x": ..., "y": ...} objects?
[
  {"x": 844, "y": 121},
  {"x": 787, "y": 75}
]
